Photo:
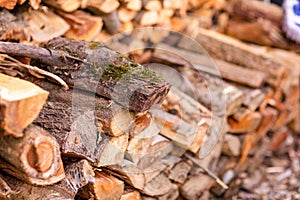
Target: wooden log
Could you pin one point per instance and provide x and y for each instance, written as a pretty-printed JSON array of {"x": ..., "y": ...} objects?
[
  {"x": 83, "y": 26},
  {"x": 232, "y": 50},
  {"x": 173, "y": 194},
  {"x": 16, "y": 189},
  {"x": 155, "y": 5},
  {"x": 238, "y": 74},
  {"x": 66, "y": 6},
  {"x": 33, "y": 158},
  {"x": 126, "y": 15},
  {"x": 180, "y": 171},
  {"x": 12, "y": 27},
  {"x": 81, "y": 133},
  {"x": 104, "y": 186},
  {"x": 262, "y": 32},
  {"x": 78, "y": 175},
  {"x": 188, "y": 189},
  {"x": 130, "y": 195},
  {"x": 5, "y": 190},
  {"x": 129, "y": 173},
  {"x": 20, "y": 103},
  {"x": 147, "y": 18},
  {"x": 159, "y": 148},
  {"x": 103, "y": 6},
  {"x": 249, "y": 124},
  {"x": 160, "y": 185},
  {"x": 252, "y": 10},
  {"x": 139, "y": 144},
  {"x": 112, "y": 75},
  {"x": 45, "y": 25},
  {"x": 111, "y": 22}
]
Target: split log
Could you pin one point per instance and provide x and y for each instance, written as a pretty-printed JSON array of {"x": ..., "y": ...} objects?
[
  {"x": 104, "y": 186},
  {"x": 16, "y": 189},
  {"x": 20, "y": 103},
  {"x": 159, "y": 148},
  {"x": 173, "y": 194},
  {"x": 97, "y": 68},
  {"x": 235, "y": 51},
  {"x": 134, "y": 4},
  {"x": 66, "y": 6},
  {"x": 139, "y": 144},
  {"x": 33, "y": 158},
  {"x": 83, "y": 26},
  {"x": 238, "y": 74},
  {"x": 147, "y": 18},
  {"x": 103, "y": 6},
  {"x": 155, "y": 5},
  {"x": 129, "y": 173},
  {"x": 77, "y": 120},
  {"x": 249, "y": 124},
  {"x": 231, "y": 145},
  {"x": 130, "y": 195},
  {"x": 188, "y": 189},
  {"x": 160, "y": 185},
  {"x": 261, "y": 31},
  {"x": 126, "y": 15},
  {"x": 5, "y": 190},
  {"x": 112, "y": 22},
  {"x": 180, "y": 171},
  {"x": 252, "y": 10},
  {"x": 12, "y": 27},
  {"x": 8, "y": 4},
  {"x": 154, "y": 170},
  {"x": 78, "y": 175},
  {"x": 45, "y": 25}
]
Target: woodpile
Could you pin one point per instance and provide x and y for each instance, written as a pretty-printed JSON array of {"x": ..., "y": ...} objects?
[{"x": 78, "y": 120}]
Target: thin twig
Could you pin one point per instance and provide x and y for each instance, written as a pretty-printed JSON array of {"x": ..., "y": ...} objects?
[
  {"x": 217, "y": 179},
  {"x": 16, "y": 63}
]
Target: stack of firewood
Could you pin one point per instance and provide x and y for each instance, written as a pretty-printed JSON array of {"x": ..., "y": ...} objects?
[{"x": 116, "y": 144}]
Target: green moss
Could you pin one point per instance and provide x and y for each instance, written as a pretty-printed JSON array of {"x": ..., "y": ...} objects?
[{"x": 95, "y": 45}]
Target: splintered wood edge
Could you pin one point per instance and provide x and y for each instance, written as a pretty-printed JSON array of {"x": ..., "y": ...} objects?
[{"x": 21, "y": 102}]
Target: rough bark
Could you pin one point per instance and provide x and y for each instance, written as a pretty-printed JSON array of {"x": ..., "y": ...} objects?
[
  {"x": 20, "y": 103},
  {"x": 96, "y": 68},
  {"x": 33, "y": 158}
]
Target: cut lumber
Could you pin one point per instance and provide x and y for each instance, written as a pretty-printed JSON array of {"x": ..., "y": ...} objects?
[
  {"x": 83, "y": 26},
  {"x": 67, "y": 6},
  {"x": 20, "y": 103},
  {"x": 12, "y": 27},
  {"x": 104, "y": 186},
  {"x": 33, "y": 158},
  {"x": 45, "y": 25},
  {"x": 99, "y": 69},
  {"x": 252, "y": 10},
  {"x": 249, "y": 124}
]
